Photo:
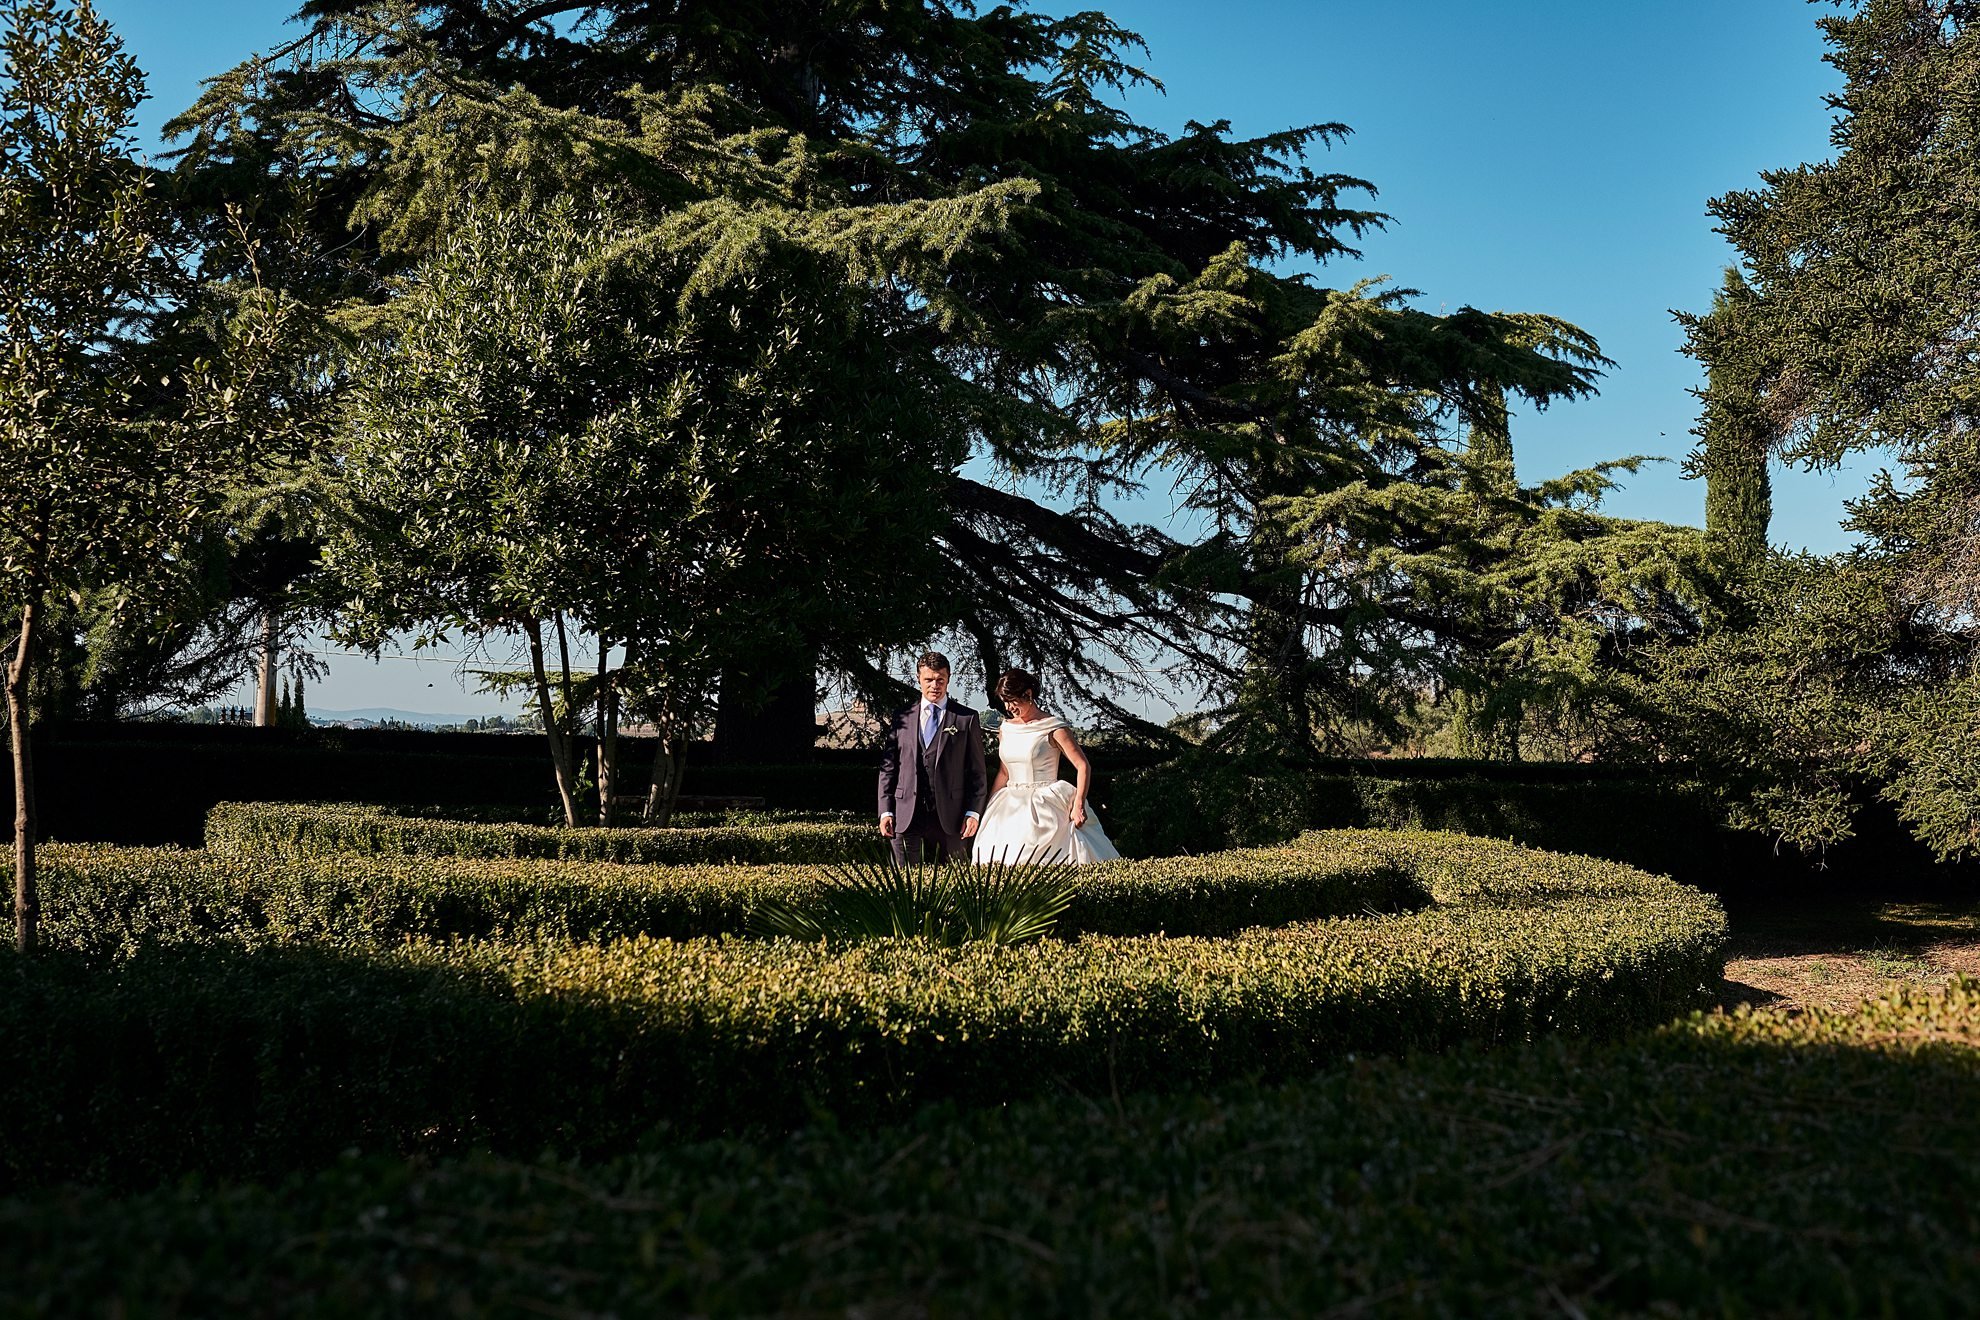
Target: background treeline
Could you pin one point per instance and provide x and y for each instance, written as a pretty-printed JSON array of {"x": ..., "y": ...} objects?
[{"x": 151, "y": 784}]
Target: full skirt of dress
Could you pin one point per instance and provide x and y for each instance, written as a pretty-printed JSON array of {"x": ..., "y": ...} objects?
[{"x": 1029, "y": 823}]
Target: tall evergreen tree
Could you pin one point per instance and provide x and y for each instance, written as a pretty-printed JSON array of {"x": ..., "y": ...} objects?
[
  {"x": 1137, "y": 327},
  {"x": 1735, "y": 440},
  {"x": 1851, "y": 327}
]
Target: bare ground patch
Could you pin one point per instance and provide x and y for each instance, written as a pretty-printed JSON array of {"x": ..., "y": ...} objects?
[{"x": 1836, "y": 952}]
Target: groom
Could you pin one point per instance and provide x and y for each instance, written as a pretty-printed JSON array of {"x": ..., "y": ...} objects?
[{"x": 931, "y": 772}]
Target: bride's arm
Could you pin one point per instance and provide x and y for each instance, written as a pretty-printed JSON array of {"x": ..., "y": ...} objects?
[
  {"x": 1063, "y": 740},
  {"x": 1003, "y": 777}
]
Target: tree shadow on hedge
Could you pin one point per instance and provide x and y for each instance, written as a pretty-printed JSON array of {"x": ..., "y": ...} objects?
[{"x": 1682, "y": 1171}]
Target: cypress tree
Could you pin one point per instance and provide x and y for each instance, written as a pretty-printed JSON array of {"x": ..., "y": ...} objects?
[
  {"x": 1486, "y": 711},
  {"x": 1488, "y": 442},
  {"x": 1734, "y": 440}
]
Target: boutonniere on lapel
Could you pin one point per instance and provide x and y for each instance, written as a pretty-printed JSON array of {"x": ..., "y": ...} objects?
[{"x": 950, "y": 728}]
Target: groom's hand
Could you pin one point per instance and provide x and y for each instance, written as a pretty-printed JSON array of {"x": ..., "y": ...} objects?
[
  {"x": 887, "y": 826},
  {"x": 969, "y": 828}
]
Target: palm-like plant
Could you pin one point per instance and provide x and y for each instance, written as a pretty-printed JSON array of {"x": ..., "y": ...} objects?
[{"x": 1003, "y": 901}]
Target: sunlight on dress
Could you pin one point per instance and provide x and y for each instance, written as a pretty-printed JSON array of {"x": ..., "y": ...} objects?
[{"x": 1027, "y": 820}]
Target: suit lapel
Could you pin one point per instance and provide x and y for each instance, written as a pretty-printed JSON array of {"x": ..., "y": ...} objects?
[{"x": 949, "y": 718}]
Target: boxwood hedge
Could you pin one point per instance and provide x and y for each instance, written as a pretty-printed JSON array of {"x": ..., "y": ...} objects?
[
  {"x": 292, "y": 829},
  {"x": 256, "y": 1054},
  {"x": 109, "y": 901},
  {"x": 1752, "y": 1165}
]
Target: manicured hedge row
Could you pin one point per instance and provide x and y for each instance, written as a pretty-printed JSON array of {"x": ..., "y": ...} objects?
[
  {"x": 290, "y": 829},
  {"x": 1751, "y": 1165},
  {"x": 153, "y": 783},
  {"x": 256, "y": 1056},
  {"x": 1201, "y": 803},
  {"x": 1642, "y": 816},
  {"x": 110, "y": 902}
]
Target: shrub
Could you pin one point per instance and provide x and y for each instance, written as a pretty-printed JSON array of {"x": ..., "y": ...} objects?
[
  {"x": 1000, "y": 902},
  {"x": 102, "y": 901},
  {"x": 1760, "y": 1164},
  {"x": 255, "y": 1055}
]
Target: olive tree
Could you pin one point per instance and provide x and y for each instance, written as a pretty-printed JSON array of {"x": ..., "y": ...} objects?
[
  {"x": 572, "y": 422},
  {"x": 107, "y": 461}
]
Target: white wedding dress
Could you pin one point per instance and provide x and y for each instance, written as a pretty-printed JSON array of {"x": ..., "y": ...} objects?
[{"x": 1027, "y": 820}]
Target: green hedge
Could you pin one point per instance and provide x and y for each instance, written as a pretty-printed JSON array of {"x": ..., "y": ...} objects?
[
  {"x": 1753, "y": 1165},
  {"x": 1201, "y": 803},
  {"x": 111, "y": 902},
  {"x": 287, "y": 829},
  {"x": 257, "y": 1055}
]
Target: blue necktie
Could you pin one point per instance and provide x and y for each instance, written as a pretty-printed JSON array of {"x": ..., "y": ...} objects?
[{"x": 928, "y": 725}]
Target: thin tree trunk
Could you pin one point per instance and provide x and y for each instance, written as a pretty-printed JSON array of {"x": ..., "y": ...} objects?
[
  {"x": 270, "y": 650},
  {"x": 663, "y": 791},
  {"x": 564, "y": 658},
  {"x": 560, "y": 746},
  {"x": 608, "y": 733},
  {"x": 27, "y": 901},
  {"x": 568, "y": 692}
]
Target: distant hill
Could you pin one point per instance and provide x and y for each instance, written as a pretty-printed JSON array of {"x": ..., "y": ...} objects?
[{"x": 379, "y": 714}]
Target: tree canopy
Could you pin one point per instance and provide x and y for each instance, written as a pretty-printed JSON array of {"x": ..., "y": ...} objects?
[
  {"x": 108, "y": 460},
  {"x": 1097, "y": 304}
]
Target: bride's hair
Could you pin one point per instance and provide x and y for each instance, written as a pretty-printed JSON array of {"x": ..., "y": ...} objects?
[{"x": 1014, "y": 684}]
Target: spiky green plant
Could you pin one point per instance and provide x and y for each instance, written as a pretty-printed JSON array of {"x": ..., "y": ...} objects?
[{"x": 868, "y": 897}]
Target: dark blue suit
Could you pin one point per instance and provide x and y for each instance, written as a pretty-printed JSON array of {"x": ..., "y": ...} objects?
[{"x": 931, "y": 790}]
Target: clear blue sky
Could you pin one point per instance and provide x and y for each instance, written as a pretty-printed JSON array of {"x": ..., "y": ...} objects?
[{"x": 1547, "y": 155}]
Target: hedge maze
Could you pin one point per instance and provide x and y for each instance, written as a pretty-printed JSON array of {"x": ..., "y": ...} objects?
[
  {"x": 328, "y": 979},
  {"x": 385, "y": 1064}
]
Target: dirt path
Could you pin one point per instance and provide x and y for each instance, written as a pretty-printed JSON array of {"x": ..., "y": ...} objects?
[{"x": 1833, "y": 952}]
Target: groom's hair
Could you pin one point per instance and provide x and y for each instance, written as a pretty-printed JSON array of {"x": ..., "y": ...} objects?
[{"x": 932, "y": 660}]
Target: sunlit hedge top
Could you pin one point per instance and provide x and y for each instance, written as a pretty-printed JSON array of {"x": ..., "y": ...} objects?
[
  {"x": 285, "y": 829},
  {"x": 106, "y": 900}
]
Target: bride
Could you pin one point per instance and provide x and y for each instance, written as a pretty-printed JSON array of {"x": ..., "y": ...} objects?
[{"x": 1033, "y": 815}]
